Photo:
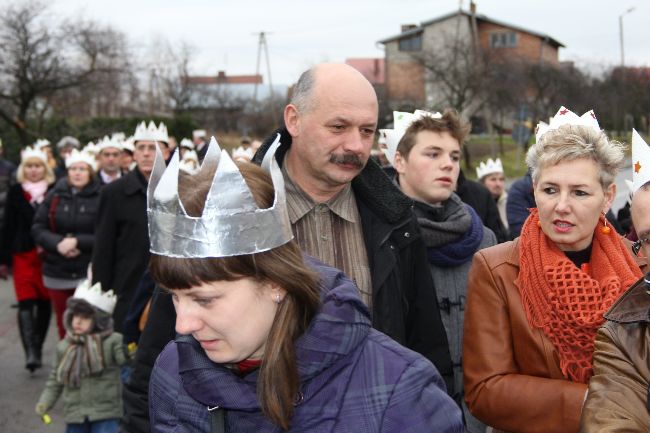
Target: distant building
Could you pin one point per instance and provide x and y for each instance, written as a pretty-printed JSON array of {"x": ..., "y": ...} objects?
[
  {"x": 221, "y": 100},
  {"x": 407, "y": 83},
  {"x": 374, "y": 69}
]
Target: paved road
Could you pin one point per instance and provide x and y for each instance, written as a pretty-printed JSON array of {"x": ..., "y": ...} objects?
[{"x": 19, "y": 390}]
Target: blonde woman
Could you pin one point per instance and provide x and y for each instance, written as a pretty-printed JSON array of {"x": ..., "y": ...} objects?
[
  {"x": 535, "y": 304},
  {"x": 17, "y": 247}
]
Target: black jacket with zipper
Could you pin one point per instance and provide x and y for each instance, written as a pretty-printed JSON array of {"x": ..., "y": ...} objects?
[{"x": 62, "y": 214}]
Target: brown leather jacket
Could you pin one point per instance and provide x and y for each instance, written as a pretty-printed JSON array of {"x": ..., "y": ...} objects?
[
  {"x": 513, "y": 380},
  {"x": 618, "y": 391}
]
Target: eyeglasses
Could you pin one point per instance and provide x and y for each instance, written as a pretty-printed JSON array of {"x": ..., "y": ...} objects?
[{"x": 636, "y": 246}]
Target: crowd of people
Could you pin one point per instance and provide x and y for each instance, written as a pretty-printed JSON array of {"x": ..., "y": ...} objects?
[{"x": 301, "y": 284}]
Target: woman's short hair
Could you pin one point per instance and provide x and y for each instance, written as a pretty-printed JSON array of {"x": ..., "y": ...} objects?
[
  {"x": 571, "y": 142},
  {"x": 20, "y": 172},
  {"x": 283, "y": 266},
  {"x": 450, "y": 122}
]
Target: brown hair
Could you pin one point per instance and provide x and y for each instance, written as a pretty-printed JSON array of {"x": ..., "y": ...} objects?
[
  {"x": 449, "y": 122},
  {"x": 278, "y": 381}
]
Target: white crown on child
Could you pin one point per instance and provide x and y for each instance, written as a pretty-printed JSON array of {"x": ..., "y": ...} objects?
[
  {"x": 187, "y": 143},
  {"x": 105, "y": 301},
  {"x": 41, "y": 143},
  {"x": 31, "y": 152},
  {"x": 565, "y": 116},
  {"x": 231, "y": 224},
  {"x": 241, "y": 154},
  {"x": 151, "y": 132},
  {"x": 640, "y": 162},
  {"x": 401, "y": 122},
  {"x": 81, "y": 156},
  {"x": 108, "y": 142},
  {"x": 489, "y": 167}
]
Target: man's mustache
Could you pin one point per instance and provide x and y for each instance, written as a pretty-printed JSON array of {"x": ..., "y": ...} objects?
[{"x": 347, "y": 159}]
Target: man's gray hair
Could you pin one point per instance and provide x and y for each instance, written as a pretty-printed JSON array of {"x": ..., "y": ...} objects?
[{"x": 302, "y": 91}]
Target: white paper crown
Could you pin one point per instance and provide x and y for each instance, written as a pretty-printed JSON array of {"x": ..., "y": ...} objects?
[
  {"x": 90, "y": 148},
  {"x": 190, "y": 162},
  {"x": 77, "y": 156},
  {"x": 231, "y": 223},
  {"x": 401, "y": 122},
  {"x": 118, "y": 136},
  {"x": 198, "y": 133},
  {"x": 41, "y": 143},
  {"x": 241, "y": 154},
  {"x": 640, "y": 162},
  {"x": 187, "y": 143},
  {"x": 128, "y": 144},
  {"x": 108, "y": 142},
  {"x": 489, "y": 167},
  {"x": 105, "y": 301},
  {"x": 31, "y": 152},
  {"x": 151, "y": 133},
  {"x": 565, "y": 116}
]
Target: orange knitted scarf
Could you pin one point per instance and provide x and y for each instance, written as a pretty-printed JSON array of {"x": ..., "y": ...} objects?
[{"x": 565, "y": 302}]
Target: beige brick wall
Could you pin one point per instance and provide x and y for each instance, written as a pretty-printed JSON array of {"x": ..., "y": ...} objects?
[
  {"x": 405, "y": 83},
  {"x": 528, "y": 47}
]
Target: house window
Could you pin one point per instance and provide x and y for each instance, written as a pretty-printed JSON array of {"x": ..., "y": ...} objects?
[
  {"x": 503, "y": 39},
  {"x": 411, "y": 43}
]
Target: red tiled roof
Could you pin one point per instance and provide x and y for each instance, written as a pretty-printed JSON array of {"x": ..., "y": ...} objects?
[{"x": 374, "y": 69}]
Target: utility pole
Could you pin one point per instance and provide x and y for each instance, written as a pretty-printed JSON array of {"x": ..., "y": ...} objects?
[
  {"x": 620, "y": 32},
  {"x": 263, "y": 45}
]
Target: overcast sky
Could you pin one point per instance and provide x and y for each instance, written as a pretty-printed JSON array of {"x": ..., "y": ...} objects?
[{"x": 306, "y": 32}]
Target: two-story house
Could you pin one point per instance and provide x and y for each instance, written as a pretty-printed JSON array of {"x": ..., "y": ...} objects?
[{"x": 410, "y": 84}]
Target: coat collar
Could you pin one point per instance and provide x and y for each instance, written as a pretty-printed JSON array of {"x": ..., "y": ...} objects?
[
  {"x": 371, "y": 186},
  {"x": 634, "y": 305},
  {"x": 134, "y": 182}
]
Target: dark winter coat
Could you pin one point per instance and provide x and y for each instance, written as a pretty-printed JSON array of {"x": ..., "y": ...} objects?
[
  {"x": 400, "y": 278},
  {"x": 520, "y": 199},
  {"x": 17, "y": 232},
  {"x": 7, "y": 170},
  {"x": 122, "y": 242},
  {"x": 352, "y": 379},
  {"x": 479, "y": 197},
  {"x": 66, "y": 214}
]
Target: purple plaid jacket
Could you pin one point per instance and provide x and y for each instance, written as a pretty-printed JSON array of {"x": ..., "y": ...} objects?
[{"x": 353, "y": 379}]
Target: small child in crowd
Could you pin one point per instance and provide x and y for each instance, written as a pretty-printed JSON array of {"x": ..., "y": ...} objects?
[{"x": 87, "y": 365}]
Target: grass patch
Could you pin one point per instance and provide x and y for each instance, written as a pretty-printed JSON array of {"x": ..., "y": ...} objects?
[{"x": 482, "y": 147}]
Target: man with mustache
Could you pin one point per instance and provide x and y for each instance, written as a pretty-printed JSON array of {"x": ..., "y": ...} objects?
[{"x": 344, "y": 211}]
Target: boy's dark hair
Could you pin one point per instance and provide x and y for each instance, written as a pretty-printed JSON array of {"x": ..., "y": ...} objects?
[{"x": 449, "y": 122}]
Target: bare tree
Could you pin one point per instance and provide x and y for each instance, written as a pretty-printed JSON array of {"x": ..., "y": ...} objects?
[
  {"x": 108, "y": 88},
  {"x": 165, "y": 86},
  {"x": 38, "y": 59},
  {"x": 455, "y": 75}
]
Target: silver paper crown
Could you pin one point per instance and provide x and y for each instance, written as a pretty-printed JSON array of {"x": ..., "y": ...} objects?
[{"x": 231, "y": 223}]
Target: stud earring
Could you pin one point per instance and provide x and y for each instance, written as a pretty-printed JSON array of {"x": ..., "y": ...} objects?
[
  {"x": 277, "y": 298},
  {"x": 605, "y": 229}
]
